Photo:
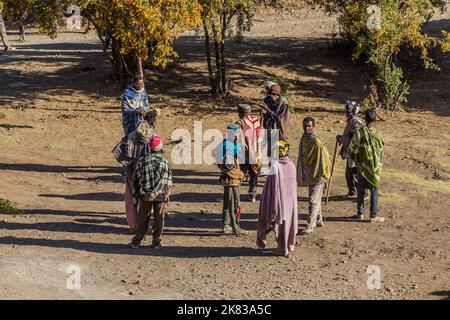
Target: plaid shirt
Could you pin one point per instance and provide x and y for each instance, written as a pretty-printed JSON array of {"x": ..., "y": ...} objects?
[{"x": 152, "y": 177}]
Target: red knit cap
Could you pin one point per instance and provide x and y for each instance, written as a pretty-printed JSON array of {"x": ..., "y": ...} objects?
[{"x": 156, "y": 143}]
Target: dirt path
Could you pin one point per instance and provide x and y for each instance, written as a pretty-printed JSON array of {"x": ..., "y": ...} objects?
[{"x": 59, "y": 120}]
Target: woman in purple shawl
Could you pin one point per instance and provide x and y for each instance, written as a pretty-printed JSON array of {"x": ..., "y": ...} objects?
[{"x": 278, "y": 209}]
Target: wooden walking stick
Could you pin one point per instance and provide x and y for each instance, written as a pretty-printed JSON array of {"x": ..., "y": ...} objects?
[{"x": 332, "y": 169}]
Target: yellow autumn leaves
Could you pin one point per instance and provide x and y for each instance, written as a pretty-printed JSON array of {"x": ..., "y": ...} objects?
[
  {"x": 135, "y": 23},
  {"x": 401, "y": 24}
]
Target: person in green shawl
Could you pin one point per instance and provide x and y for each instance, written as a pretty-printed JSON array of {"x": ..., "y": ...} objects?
[
  {"x": 366, "y": 150},
  {"x": 313, "y": 171}
]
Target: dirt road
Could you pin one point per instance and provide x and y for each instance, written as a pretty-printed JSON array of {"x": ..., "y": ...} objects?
[{"x": 60, "y": 118}]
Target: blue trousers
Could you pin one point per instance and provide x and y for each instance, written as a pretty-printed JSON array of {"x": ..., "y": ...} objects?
[{"x": 362, "y": 185}]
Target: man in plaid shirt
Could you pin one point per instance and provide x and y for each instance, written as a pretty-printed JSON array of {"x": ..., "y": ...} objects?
[{"x": 152, "y": 180}]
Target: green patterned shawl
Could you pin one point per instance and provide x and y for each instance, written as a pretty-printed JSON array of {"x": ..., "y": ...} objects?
[{"x": 366, "y": 149}]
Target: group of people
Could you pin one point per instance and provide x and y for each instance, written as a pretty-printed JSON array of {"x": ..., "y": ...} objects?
[
  {"x": 239, "y": 156},
  {"x": 148, "y": 174}
]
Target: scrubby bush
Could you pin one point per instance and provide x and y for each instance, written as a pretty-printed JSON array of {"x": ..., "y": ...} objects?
[{"x": 380, "y": 33}]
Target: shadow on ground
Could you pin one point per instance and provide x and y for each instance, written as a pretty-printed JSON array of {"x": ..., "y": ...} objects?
[
  {"x": 444, "y": 294},
  {"x": 320, "y": 72},
  {"x": 166, "y": 251}
]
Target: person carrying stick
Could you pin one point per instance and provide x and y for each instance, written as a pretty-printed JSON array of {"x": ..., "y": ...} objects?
[
  {"x": 353, "y": 124},
  {"x": 275, "y": 116},
  {"x": 313, "y": 171}
]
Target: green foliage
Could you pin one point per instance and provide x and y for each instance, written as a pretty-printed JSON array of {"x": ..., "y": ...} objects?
[
  {"x": 7, "y": 207},
  {"x": 401, "y": 29},
  {"x": 390, "y": 86},
  {"x": 132, "y": 24},
  {"x": 46, "y": 14}
]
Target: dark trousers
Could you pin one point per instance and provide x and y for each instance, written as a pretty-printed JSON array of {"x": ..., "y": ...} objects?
[
  {"x": 351, "y": 176},
  {"x": 363, "y": 184},
  {"x": 269, "y": 142},
  {"x": 253, "y": 183},
  {"x": 231, "y": 206},
  {"x": 144, "y": 213}
]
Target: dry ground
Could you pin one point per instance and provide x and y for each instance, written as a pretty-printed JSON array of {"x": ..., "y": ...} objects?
[{"x": 59, "y": 120}]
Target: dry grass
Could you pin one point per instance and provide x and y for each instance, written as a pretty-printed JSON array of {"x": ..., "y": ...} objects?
[
  {"x": 60, "y": 146},
  {"x": 6, "y": 139},
  {"x": 423, "y": 186}
]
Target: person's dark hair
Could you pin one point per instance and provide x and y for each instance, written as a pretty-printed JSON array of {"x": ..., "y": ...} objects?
[
  {"x": 150, "y": 117},
  {"x": 309, "y": 119},
  {"x": 370, "y": 116}
]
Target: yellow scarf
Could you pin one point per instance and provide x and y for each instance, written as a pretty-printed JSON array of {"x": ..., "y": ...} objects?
[{"x": 313, "y": 161}]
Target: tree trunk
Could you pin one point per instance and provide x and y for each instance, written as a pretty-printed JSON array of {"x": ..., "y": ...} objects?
[
  {"x": 121, "y": 64},
  {"x": 88, "y": 26},
  {"x": 218, "y": 61},
  {"x": 212, "y": 81},
  {"x": 222, "y": 56},
  {"x": 139, "y": 70},
  {"x": 21, "y": 32}
]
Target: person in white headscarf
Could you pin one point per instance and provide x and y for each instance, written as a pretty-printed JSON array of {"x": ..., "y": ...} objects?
[
  {"x": 134, "y": 105},
  {"x": 353, "y": 123}
]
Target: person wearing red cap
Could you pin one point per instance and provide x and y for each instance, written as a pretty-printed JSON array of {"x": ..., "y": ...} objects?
[
  {"x": 152, "y": 181},
  {"x": 128, "y": 152}
]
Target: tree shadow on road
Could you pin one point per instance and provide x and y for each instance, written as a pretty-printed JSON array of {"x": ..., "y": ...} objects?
[
  {"x": 67, "y": 226},
  {"x": 195, "y": 221},
  {"x": 15, "y": 126},
  {"x": 321, "y": 72},
  {"x": 196, "y": 197},
  {"x": 38, "y": 167},
  {"x": 444, "y": 294},
  {"x": 344, "y": 219},
  {"x": 69, "y": 213},
  {"x": 166, "y": 251},
  {"x": 94, "y": 196},
  {"x": 316, "y": 72},
  {"x": 176, "y": 223},
  {"x": 80, "y": 61}
]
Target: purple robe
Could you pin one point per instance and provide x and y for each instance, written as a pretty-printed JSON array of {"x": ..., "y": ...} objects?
[
  {"x": 278, "y": 209},
  {"x": 131, "y": 211}
]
